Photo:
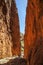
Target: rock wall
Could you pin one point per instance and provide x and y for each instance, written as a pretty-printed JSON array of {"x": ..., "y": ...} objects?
[
  {"x": 33, "y": 47},
  {"x": 15, "y": 29},
  {"x": 9, "y": 29}
]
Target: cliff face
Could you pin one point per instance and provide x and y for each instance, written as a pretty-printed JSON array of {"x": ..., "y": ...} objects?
[
  {"x": 9, "y": 29},
  {"x": 34, "y": 32},
  {"x": 14, "y": 25}
]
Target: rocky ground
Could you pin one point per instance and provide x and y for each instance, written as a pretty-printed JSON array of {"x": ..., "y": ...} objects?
[
  {"x": 16, "y": 61},
  {"x": 5, "y": 60}
]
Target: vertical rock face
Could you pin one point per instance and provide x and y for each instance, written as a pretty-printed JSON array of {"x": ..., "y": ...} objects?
[
  {"x": 34, "y": 32},
  {"x": 9, "y": 29},
  {"x": 15, "y": 30},
  {"x": 5, "y": 37}
]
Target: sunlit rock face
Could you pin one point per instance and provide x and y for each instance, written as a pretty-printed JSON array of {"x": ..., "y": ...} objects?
[
  {"x": 8, "y": 33},
  {"x": 34, "y": 32},
  {"x": 5, "y": 37}
]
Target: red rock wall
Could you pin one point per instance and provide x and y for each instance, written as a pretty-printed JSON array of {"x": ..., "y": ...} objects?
[
  {"x": 33, "y": 38},
  {"x": 15, "y": 29}
]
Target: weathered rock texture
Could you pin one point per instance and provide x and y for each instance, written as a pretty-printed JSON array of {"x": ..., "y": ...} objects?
[
  {"x": 14, "y": 25},
  {"x": 34, "y": 32},
  {"x": 9, "y": 29}
]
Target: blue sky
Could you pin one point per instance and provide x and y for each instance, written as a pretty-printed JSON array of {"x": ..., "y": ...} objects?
[{"x": 21, "y": 5}]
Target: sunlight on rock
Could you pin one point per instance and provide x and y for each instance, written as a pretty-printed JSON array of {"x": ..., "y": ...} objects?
[{"x": 5, "y": 60}]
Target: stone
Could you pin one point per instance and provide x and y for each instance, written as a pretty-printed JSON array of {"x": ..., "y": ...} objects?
[
  {"x": 16, "y": 61},
  {"x": 9, "y": 29},
  {"x": 33, "y": 38},
  {"x": 15, "y": 29}
]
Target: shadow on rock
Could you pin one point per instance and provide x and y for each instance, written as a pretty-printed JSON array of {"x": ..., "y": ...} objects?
[{"x": 16, "y": 61}]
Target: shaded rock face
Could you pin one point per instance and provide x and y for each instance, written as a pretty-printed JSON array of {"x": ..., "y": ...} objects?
[
  {"x": 9, "y": 33},
  {"x": 16, "y": 61},
  {"x": 33, "y": 38},
  {"x": 14, "y": 25}
]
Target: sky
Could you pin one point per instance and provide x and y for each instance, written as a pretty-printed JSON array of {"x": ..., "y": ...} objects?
[{"x": 21, "y": 5}]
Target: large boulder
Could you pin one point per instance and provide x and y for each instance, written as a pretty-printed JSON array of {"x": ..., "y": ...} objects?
[{"x": 33, "y": 39}]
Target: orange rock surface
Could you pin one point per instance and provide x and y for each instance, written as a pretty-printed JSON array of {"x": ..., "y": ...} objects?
[
  {"x": 33, "y": 38},
  {"x": 15, "y": 29}
]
